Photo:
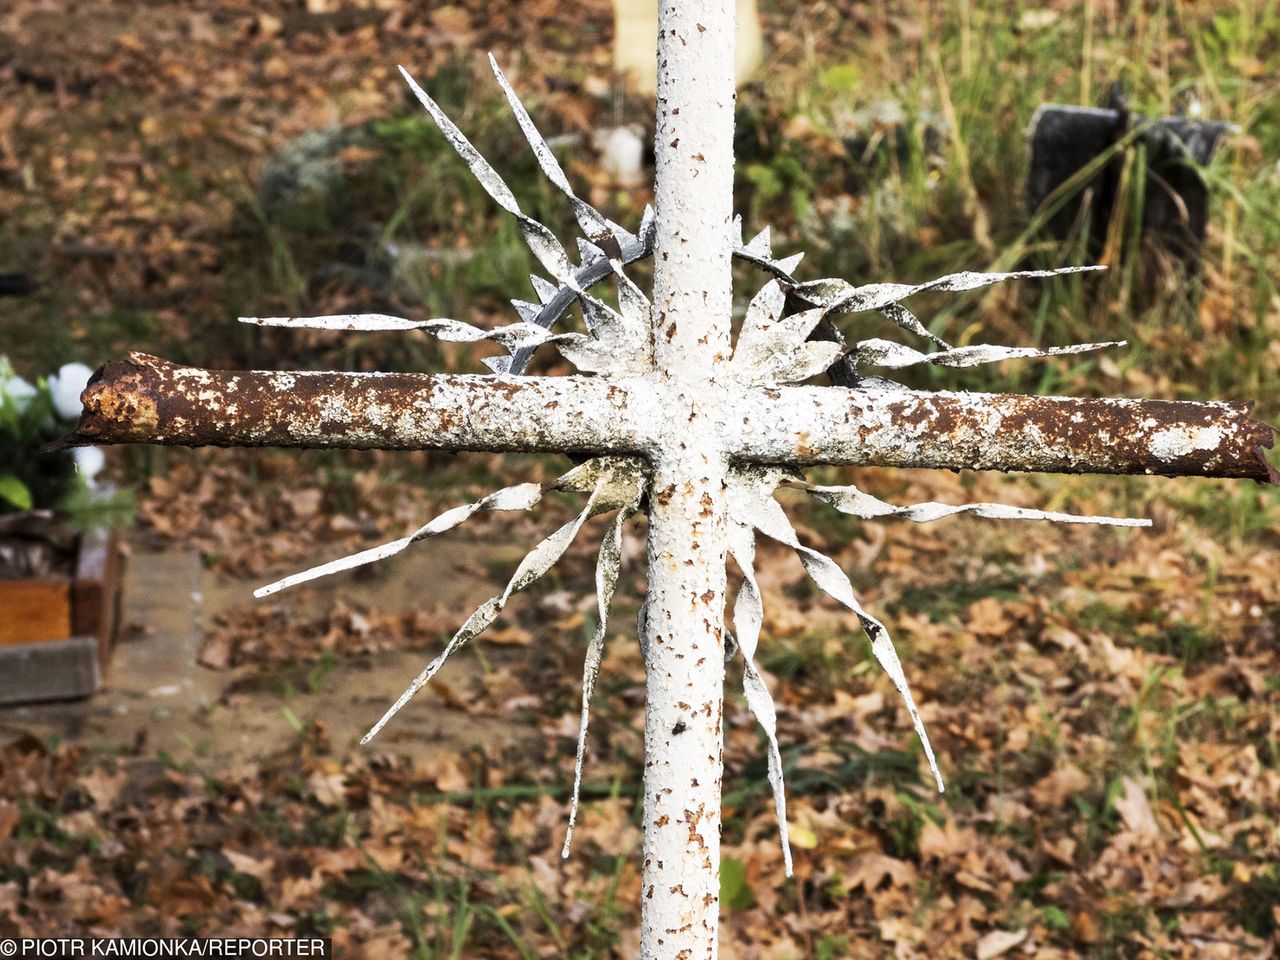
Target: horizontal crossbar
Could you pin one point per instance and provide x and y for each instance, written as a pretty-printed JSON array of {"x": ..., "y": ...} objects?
[{"x": 147, "y": 400}]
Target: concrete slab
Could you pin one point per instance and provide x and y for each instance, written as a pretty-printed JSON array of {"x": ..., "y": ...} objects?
[
  {"x": 49, "y": 670},
  {"x": 156, "y": 697}
]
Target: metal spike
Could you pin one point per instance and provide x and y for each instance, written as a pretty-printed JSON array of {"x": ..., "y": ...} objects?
[
  {"x": 884, "y": 353},
  {"x": 479, "y": 166},
  {"x": 588, "y": 251},
  {"x": 633, "y": 303},
  {"x": 788, "y": 264},
  {"x": 761, "y": 244},
  {"x": 535, "y": 564},
  {"x": 523, "y": 496},
  {"x": 748, "y": 616},
  {"x": 904, "y": 318},
  {"x": 528, "y": 311},
  {"x": 541, "y": 241},
  {"x": 545, "y": 289},
  {"x": 588, "y": 217},
  {"x": 648, "y": 225},
  {"x": 599, "y": 316},
  {"x": 856, "y": 503},
  {"x": 769, "y": 518},
  {"x": 546, "y": 247},
  {"x": 620, "y": 233}
]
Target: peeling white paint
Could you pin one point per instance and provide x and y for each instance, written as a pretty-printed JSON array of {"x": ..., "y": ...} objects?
[{"x": 1171, "y": 444}]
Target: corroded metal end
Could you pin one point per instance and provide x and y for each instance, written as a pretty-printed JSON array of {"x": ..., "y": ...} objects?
[
  {"x": 120, "y": 402},
  {"x": 1266, "y": 442}
]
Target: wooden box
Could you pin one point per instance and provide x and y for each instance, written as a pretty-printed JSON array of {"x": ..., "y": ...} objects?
[{"x": 39, "y": 616}]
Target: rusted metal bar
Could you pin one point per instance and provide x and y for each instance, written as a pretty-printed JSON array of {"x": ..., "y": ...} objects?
[
  {"x": 148, "y": 400},
  {"x": 903, "y": 428}
]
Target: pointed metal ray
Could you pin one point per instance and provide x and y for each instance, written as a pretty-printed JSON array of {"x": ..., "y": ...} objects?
[
  {"x": 762, "y": 315},
  {"x": 776, "y": 350},
  {"x": 607, "y": 567},
  {"x": 541, "y": 241},
  {"x": 528, "y": 311},
  {"x": 484, "y": 173},
  {"x": 513, "y": 336},
  {"x": 761, "y": 245},
  {"x": 856, "y": 503},
  {"x": 616, "y": 345},
  {"x": 748, "y": 616},
  {"x": 340, "y": 321},
  {"x": 904, "y": 318},
  {"x": 767, "y": 516},
  {"x": 884, "y": 353},
  {"x": 536, "y": 563},
  {"x": 648, "y": 226},
  {"x": 798, "y": 362},
  {"x": 593, "y": 224},
  {"x": 787, "y": 265},
  {"x": 635, "y": 307},
  {"x": 840, "y": 296},
  {"x": 588, "y": 251},
  {"x": 522, "y": 496},
  {"x": 601, "y": 319},
  {"x": 545, "y": 289}
]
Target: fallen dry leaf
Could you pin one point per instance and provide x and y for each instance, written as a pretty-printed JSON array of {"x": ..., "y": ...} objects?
[
  {"x": 998, "y": 942},
  {"x": 1135, "y": 809}
]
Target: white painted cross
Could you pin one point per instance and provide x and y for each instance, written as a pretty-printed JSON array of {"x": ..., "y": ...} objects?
[{"x": 685, "y": 425}]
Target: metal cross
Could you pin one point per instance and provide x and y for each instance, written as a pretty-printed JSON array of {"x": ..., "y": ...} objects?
[{"x": 680, "y": 422}]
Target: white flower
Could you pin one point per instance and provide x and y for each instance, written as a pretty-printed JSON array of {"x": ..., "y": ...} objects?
[
  {"x": 65, "y": 387},
  {"x": 17, "y": 390},
  {"x": 89, "y": 460}
]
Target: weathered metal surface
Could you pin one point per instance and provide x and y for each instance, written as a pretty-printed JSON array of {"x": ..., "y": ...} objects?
[
  {"x": 148, "y": 400},
  {"x": 977, "y": 431},
  {"x": 688, "y": 511},
  {"x": 144, "y": 399}
]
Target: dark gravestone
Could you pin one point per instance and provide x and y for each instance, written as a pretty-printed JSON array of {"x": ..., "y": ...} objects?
[{"x": 1175, "y": 202}]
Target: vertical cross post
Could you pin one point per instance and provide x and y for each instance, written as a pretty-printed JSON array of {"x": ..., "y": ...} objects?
[{"x": 684, "y": 622}]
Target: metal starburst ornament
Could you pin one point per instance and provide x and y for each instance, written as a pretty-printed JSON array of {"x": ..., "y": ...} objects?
[
  {"x": 676, "y": 420},
  {"x": 771, "y": 350}
]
